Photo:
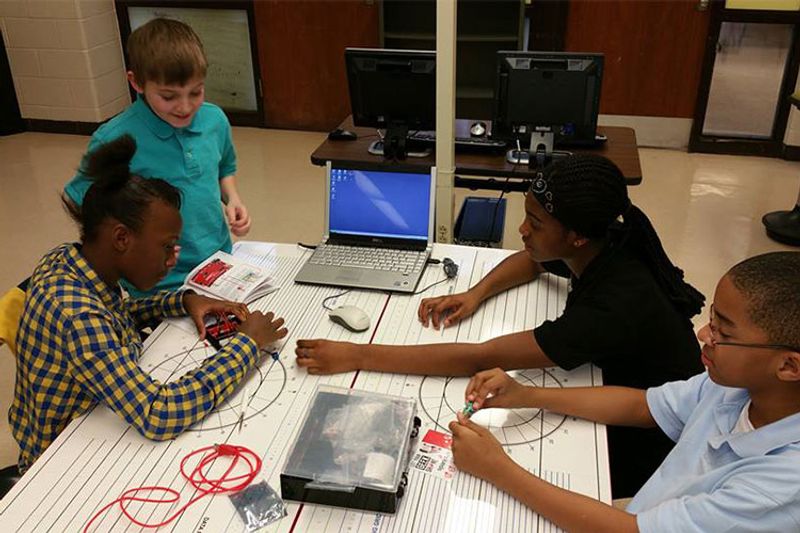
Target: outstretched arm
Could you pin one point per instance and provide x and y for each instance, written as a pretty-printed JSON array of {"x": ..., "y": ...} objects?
[
  {"x": 514, "y": 270},
  {"x": 618, "y": 406},
  {"x": 447, "y": 310},
  {"x": 516, "y": 350},
  {"x": 477, "y": 452}
]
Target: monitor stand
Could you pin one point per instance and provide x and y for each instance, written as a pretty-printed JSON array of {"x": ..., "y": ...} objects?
[
  {"x": 396, "y": 144},
  {"x": 376, "y": 148},
  {"x": 539, "y": 154}
]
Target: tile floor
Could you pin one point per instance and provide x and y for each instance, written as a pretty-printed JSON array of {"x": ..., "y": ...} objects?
[{"x": 707, "y": 208}]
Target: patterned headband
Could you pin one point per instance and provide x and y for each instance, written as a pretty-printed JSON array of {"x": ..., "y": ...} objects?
[{"x": 540, "y": 190}]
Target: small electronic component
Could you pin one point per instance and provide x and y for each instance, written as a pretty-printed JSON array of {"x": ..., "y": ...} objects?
[
  {"x": 221, "y": 327},
  {"x": 468, "y": 410}
]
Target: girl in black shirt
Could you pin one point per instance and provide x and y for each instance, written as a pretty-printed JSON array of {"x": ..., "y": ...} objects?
[{"x": 628, "y": 311}]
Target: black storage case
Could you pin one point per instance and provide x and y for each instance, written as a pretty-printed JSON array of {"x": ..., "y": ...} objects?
[{"x": 352, "y": 451}]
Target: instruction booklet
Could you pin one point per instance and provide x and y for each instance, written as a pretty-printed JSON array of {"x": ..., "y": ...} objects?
[{"x": 227, "y": 277}]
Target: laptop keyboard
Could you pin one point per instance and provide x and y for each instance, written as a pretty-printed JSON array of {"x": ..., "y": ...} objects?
[{"x": 389, "y": 259}]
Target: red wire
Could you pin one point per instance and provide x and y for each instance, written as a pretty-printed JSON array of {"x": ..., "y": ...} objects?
[{"x": 197, "y": 477}]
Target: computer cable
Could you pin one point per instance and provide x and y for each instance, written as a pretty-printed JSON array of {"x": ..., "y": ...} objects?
[
  {"x": 450, "y": 271},
  {"x": 496, "y": 205},
  {"x": 307, "y": 246},
  {"x": 333, "y": 297}
]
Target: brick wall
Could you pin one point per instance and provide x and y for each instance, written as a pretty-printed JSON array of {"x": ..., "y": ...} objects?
[{"x": 66, "y": 58}]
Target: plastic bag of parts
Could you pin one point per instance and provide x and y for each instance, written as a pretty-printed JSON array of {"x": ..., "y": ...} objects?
[
  {"x": 258, "y": 506},
  {"x": 376, "y": 424}
]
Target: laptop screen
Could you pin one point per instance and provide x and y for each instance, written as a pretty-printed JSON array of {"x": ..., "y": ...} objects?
[{"x": 380, "y": 204}]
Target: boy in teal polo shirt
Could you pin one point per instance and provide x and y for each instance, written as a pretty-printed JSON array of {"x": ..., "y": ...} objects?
[
  {"x": 181, "y": 139},
  {"x": 736, "y": 462}
]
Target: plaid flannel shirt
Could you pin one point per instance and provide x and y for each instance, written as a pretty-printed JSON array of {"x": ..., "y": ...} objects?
[{"x": 78, "y": 345}]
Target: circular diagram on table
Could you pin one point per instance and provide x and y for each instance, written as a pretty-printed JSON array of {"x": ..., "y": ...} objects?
[
  {"x": 269, "y": 380},
  {"x": 441, "y": 398}
]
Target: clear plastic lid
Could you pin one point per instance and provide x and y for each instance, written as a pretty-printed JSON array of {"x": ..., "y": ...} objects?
[{"x": 352, "y": 438}]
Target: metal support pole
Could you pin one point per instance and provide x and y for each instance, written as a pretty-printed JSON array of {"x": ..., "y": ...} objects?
[{"x": 445, "y": 117}]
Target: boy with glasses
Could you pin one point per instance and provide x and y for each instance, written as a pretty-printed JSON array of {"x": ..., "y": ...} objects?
[{"x": 736, "y": 462}]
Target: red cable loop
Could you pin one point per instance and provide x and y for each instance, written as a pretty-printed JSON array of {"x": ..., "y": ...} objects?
[{"x": 197, "y": 477}]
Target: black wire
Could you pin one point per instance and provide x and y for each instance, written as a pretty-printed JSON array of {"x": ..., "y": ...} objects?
[
  {"x": 307, "y": 246},
  {"x": 431, "y": 285},
  {"x": 325, "y": 300},
  {"x": 497, "y": 205}
]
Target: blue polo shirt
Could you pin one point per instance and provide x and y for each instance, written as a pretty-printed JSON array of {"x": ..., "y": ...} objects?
[
  {"x": 714, "y": 480},
  {"x": 193, "y": 159}
]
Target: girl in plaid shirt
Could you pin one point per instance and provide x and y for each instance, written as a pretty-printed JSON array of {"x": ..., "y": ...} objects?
[{"x": 78, "y": 343}]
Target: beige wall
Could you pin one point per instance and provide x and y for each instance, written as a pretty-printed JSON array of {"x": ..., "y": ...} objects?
[{"x": 66, "y": 58}]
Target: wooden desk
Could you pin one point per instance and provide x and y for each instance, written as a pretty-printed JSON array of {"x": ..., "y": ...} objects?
[
  {"x": 620, "y": 147},
  {"x": 98, "y": 456}
]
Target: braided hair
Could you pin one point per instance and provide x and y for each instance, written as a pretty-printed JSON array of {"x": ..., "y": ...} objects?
[
  {"x": 588, "y": 194},
  {"x": 115, "y": 192}
]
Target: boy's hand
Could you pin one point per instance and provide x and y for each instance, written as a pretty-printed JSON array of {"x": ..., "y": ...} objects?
[
  {"x": 238, "y": 217},
  {"x": 198, "y": 307},
  {"x": 495, "y": 388},
  {"x": 447, "y": 310},
  {"x": 264, "y": 329},
  {"x": 475, "y": 450}
]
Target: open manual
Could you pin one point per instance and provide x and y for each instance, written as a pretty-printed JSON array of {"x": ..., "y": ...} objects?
[{"x": 228, "y": 277}]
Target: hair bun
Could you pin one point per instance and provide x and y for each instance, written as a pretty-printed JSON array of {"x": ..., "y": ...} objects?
[{"x": 109, "y": 165}]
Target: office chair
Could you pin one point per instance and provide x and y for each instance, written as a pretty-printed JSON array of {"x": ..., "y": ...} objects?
[
  {"x": 784, "y": 226},
  {"x": 11, "y": 305}
]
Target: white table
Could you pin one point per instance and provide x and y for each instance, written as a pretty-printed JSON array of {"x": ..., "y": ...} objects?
[{"x": 98, "y": 456}]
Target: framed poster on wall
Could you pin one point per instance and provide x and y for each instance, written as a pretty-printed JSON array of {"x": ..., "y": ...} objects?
[{"x": 227, "y": 31}]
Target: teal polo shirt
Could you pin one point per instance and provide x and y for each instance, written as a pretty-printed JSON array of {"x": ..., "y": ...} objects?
[{"x": 193, "y": 159}]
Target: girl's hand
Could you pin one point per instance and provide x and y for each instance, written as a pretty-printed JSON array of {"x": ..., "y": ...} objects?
[
  {"x": 447, "y": 310},
  {"x": 263, "y": 329},
  {"x": 198, "y": 307}
]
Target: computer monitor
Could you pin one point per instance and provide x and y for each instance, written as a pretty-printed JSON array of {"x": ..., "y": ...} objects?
[
  {"x": 544, "y": 99},
  {"x": 393, "y": 90}
]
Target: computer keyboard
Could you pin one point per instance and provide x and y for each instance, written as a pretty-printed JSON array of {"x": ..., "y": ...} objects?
[
  {"x": 478, "y": 142},
  {"x": 391, "y": 259}
]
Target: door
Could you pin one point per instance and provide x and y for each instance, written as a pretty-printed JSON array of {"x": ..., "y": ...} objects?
[
  {"x": 653, "y": 52},
  {"x": 10, "y": 118},
  {"x": 750, "y": 70},
  {"x": 301, "y": 49}
]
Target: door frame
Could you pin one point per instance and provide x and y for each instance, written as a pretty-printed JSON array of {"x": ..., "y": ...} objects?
[{"x": 772, "y": 147}]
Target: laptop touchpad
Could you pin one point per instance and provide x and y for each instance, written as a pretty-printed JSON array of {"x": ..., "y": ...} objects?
[{"x": 348, "y": 276}]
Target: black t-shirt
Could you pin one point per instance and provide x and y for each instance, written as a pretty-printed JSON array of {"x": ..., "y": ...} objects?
[{"x": 619, "y": 318}]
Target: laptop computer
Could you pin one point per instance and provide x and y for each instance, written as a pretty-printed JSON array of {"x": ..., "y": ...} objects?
[{"x": 378, "y": 228}]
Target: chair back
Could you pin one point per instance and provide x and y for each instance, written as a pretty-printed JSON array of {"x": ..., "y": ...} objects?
[{"x": 11, "y": 305}]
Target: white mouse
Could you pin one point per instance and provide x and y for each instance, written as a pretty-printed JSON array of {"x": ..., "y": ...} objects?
[{"x": 350, "y": 317}]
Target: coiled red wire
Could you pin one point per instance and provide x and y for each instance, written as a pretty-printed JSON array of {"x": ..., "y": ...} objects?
[{"x": 198, "y": 477}]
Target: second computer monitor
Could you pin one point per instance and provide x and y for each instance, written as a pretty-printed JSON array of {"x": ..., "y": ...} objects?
[
  {"x": 393, "y": 90},
  {"x": 539, "y": 92}
]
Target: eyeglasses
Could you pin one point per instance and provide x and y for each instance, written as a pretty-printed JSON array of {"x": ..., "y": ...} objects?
[{"x": 715, "y": 342}]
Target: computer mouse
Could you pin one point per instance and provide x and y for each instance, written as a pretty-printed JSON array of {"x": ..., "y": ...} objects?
[
  {"x": 342, "y": 135},
  {"x": 350, "y": 317},
  {"x": 478, "y": 129}
]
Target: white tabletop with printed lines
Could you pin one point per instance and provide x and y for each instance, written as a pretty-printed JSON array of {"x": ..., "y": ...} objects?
[{"x": 98, "y": 457}]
